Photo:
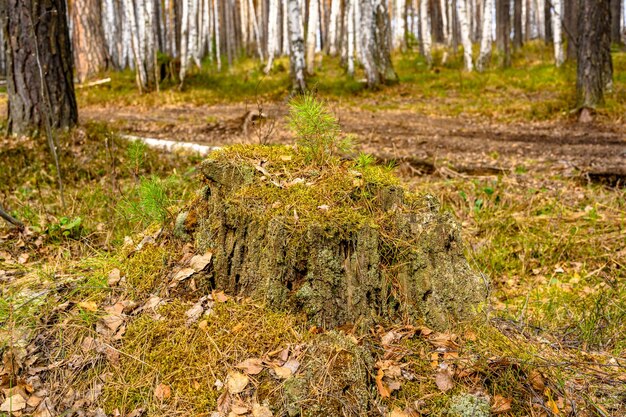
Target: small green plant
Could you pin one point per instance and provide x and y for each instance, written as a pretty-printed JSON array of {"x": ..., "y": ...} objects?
[
  {"x": 149, "y": 203},
  {"x": 317, "y": 130},
  {"x": 364, "y": 160},
  {"x": 136, "y": 154},
  {"x": 66, "y": 228}
]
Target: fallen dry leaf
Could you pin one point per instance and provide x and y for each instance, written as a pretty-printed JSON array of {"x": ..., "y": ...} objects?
[
  {"x": 199, "y": 262},
  {"x": 114, "y": 277},
  {"x": 220, "y": 297},
  {"x": 23, "y": 258},
  {"x": 13, "y": 403},
  {"x": 500, "y": 405},
  {"x": 282, "y": 372},
  {"x": 396, "y": 412},
  {"x": 88, "y": 305},
  {"x": 536, "y": 380},
  {"x": 239, "y": 409},
  {"x": 252, "y": 366},
  {"x": 236, "y": 382},
  {"x": 444, "y": 381},
  {"x": 184, "y": 273},
  {"x": 292, "y": 364},
  {"x": 162, "y": 392},
  {"x": 261, "y": 411}
]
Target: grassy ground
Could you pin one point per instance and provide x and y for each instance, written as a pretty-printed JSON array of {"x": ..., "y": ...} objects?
[
  {"x": 553, "y": 342},
  {"x": 531, "y": 89}
]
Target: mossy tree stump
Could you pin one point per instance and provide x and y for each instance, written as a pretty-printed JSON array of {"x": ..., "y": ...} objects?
[{"x": 345, "y": 243}]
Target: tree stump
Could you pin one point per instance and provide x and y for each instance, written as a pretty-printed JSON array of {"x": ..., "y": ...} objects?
[{"x": 346, "y": 244}]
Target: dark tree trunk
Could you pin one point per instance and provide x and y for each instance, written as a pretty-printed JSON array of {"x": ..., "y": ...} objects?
[
  {"x": 616, "y": 21},
  {"x": 571, "y": 27},
  {"x": 38, "y": 45},
  {"x": 517, "y": 24},
  {"x": 89, "y": 45},
  {"x": 547, "y": 20},
  {"x": 503, "y": 30},
  {"x": 436, "y": 20},
  {"x": 595, "y": 69}
]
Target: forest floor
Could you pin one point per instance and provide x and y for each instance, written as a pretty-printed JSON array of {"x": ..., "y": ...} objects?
[{"x": 90, "y": 324}]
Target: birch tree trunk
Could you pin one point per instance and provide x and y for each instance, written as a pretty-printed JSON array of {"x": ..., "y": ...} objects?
[
  {"x": 311, "y": 37},
  {"x": 485, "y": 42},
  {"x": 376, "y": 43},
  {"x": 398, "y": 24},
  {"x": 333, "y": 27},
  {"x": 557, "y": 36},
  {"x": 350, "y": 36},
  {"x": 255, "y": 27},
  {"x": 465, "y": 34},
  {"x": 272, "y": 39},
  {"x": 39, "y": 66},
  {"x": 218, "y": 50},
  {"x": 184, "y": 41},
  {"x": 296, "y": 40},
  {"x": 425, "y": 32}
]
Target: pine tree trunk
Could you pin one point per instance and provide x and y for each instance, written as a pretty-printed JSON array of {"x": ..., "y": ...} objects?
[
  {"x": 296, "y": 55},
  {"x": 517, "y": 24},
  {"x": 88, "y": 42},
  {"x": 571, "y": 27},
  {"x": 464, "y": 26},
  {"x": 595, "y": 69},
  {"x": 616, "y": 21},
  {"x": 503, "y": 30},
  {"x": 39, "y": 66},
  {"x": 548, "y": 13}
]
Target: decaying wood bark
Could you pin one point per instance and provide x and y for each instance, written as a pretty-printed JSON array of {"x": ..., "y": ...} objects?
[
  {"x": 333, "y": 275},
  {"x": 39, "y": 66}
]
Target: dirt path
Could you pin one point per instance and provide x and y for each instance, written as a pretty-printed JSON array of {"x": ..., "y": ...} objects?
[{"x": 466, "y": 145}]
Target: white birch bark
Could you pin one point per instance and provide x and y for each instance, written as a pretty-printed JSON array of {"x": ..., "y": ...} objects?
[
  {"x": 350, "y": 36},
  {"x": 285, "y": 31},
  {"x": 333, "y": 27},
  {"x": 296, "y": 42},
  {"x": 184, "y": 40},
  {"x": 194, "y": 44},
  {"x": 311, "y": 36},
  {"x": 465, "y": 34},
  {"x": 218, "y": 52},
  {"x": 130, "y": 18},
  {"x": 272, "y": 38},
  {"x": 205, "y": 39},
  {"x": 486, "y": 35},
  {"x": 425, "y": 32},
  {"x": 398, "y": 24},
  {"x": 557, "y": 13},
  {"x": 357, "y": 23}
]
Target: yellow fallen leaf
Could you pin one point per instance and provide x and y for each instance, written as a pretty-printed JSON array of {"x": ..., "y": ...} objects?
[
  {"x": 162, "y": 392},
  {"x": 88, "y": 305},
  {"x": 382, "y": 388},
  {"x": 282, "y": 372},
  {"x": 252, "y": 366},
  {"x": 500, "y": 405},
  {"x": 236, "y": 382}
]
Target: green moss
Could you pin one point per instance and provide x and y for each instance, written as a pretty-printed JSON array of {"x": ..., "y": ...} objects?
[{"x": 146, "y": 268}]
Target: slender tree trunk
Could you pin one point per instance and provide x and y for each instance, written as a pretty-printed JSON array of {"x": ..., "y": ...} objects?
[
  {"x": 517, "y": 24},
  {"x": 595, "y": 69},
  {"x": 425, "y": 32},
  {"x": 333, "y": 27},
  {"x": 616, "y": 21},
  {"x": 548, "y": 13},
  {"x": 311, "y": 36},
  {"x": 571, "y": 27},
  {"x": 503, "y": 26},
  {"x": 39, "y": 66},
  {"x": 218, "y": 49},
  {"x": 350, "y": 36},
  {"x": 375, "y": 43},
  {"x": 465, "y": 33},
  {"x": 272, "y": 39},
  {"x": 557, "y": 15},
  {"x": 296, "y": 56},
  {"x": 485, "y": 41},
  {"x": 398, "y": 24}
]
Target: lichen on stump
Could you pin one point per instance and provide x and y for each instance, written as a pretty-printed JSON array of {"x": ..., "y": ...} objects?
[{"x": 344, "y": 242}]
